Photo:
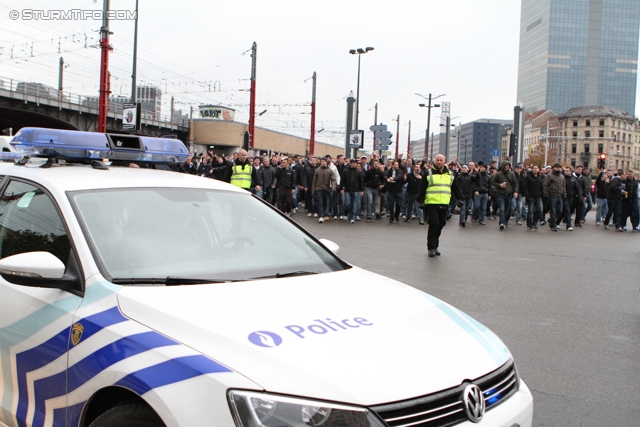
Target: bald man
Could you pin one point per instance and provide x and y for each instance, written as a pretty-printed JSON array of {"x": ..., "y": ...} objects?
[
  {"x": 436, "y": 187},
  {"x": 241, "y": 173}
]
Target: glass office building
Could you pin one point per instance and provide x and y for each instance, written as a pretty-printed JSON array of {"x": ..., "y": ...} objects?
[{"x": 578, "y": 52}]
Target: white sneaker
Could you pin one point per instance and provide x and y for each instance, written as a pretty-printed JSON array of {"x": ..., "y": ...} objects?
[
  {"x": 357, "y": 218},
  {"x": 335, "y": 217},
  {"x": 315, "y": 215},
  {"x": 352, "y": 222},
  {"x": 309, "y": 214},
  {"x": 321, "y": 220}
]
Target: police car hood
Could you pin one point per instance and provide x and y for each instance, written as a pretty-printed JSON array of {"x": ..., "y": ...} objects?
[{"x": 350, "y": 336}]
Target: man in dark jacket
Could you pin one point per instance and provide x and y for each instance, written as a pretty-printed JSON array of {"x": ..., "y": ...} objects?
[
  {"x": 436, "y": 189},
  {"x": 578, "y": 199},
  {"x": 373, "y": 181},
  {"x": 555, "y": 189},
  {"x": 532, "y": 192},
  {"x": 413, "y": 179},
  {"x": 352, "y": 186},
  {"x": 268, "y": 178},
  {"x": 466, "y": 186},
  {"x": 285, "y": 185},
  {"x": 630, "y": 202},
  {"x": 602, "y": 189},
  {"x": 395, "y": 181},
  {"x": 481, "y": 184},
  {"x": 307, "y": 180},
  {"x": 614, "y": 199},
  {"x": 572, "y": 189},
  {"x": 506, "y": 185}
]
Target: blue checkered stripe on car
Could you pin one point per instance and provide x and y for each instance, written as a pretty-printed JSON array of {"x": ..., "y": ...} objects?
[{"x": 42, "y": 399}]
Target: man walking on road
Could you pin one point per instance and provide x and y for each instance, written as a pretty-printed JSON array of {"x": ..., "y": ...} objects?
[
  {"x": 435, "y": 191},
  {"x": 506, "y": 185},
  {"x": 555, "y": 189}
]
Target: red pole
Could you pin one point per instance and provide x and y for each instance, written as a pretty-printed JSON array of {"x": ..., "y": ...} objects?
[
  {"x": 312, "y": 139},
  {"x": 409, "y": 140},
  {"x": 103, "y": 103},
  {"x": 252, "y": 100},
  {"x": 398, "y": 137}
]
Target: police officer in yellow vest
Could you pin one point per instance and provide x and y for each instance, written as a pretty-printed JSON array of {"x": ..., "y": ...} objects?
[
  {"x": 241, "y": 173},
  {"x": 436, "y": 187}
]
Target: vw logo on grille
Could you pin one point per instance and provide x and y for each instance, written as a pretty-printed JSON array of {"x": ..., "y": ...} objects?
[{"x": 473, "y": 403}]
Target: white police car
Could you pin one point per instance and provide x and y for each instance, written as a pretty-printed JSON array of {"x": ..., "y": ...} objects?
[{"x": 136, "y": 297}]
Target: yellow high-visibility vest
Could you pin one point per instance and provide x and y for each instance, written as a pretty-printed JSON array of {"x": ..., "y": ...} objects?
[
  {"x": 439, "y": 188},
  {"x": 241, "y": 177}
]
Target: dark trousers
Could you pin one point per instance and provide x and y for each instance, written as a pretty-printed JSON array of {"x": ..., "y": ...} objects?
[
  {"x": 615, "y": 210},
  {"x": 578, "y": 207},
  {"x": 437, "y": 219},
  {"x": 565, "y": 214},
  {"x": 555, "y": 210},
  {"x": 284, "y": 199},
  {"x": 322, "y": 201},
  {"x": 534, "y": 211},
  {"x": 629, "y": 209},
  {"x": 394, "y": 204}
]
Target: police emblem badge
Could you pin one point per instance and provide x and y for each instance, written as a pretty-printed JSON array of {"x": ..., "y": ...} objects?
[{"x": 76, "y": 333}]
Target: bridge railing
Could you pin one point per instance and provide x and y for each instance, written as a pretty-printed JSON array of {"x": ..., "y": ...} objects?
[{"x": 43, "y": 92}]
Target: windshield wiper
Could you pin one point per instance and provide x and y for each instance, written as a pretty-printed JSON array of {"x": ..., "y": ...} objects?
[
  {"x": 290, "y": 274},
  {"x": 167, "y": 281}
]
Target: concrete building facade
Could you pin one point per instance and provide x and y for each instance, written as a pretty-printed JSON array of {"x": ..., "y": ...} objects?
[
  {"x": 479, "y": 139},
  {"x": 585, "y": 132}
]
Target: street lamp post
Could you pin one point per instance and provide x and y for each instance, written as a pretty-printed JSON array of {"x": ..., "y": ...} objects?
[
  {"x": 428, "y": 106},
  {"x": 359, "y": 51}
]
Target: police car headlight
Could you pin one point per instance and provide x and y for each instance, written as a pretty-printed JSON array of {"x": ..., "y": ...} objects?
[{"x": 251, "y": 409}]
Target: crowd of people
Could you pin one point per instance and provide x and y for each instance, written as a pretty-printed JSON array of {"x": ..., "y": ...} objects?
[{"x": 394, "y": 190}]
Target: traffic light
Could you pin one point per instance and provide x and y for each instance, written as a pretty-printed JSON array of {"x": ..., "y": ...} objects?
[{"x": 603, "y": 161}]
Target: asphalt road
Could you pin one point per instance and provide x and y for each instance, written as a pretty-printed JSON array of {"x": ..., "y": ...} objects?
[{"x": 567, "y": 304}]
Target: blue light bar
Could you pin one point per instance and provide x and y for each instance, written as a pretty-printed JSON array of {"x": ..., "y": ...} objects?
[{"x": 69, "y": 144}]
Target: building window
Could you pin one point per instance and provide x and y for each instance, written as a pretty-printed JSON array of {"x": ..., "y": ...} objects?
[
  {"x": 575, "y": 134},
  {"x": 573, "y": 163},
  {"x": 587, "y": 134},
  {"x": 601, "y": 134},
  {"x": 600, "y": 148},
  {"x": 575, "y": 123},
  {"x": 585, "y": 164},
  {"x": 588, "y": 122},
  {"x": 587, "y": 148},
  {"x": 574, "y": 148},
  {"x": 601, "y": 122}
]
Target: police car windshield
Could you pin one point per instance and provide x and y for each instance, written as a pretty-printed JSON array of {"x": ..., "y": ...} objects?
[{"x": 193, "y": 233}]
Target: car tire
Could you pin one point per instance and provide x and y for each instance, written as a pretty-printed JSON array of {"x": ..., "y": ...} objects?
[{"x": 128, "y": 415}]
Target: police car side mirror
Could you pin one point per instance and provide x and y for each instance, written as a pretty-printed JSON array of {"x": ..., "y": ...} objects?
[
  {"x": 333, "y": 247},
  {"x": 37, "y": 269}
]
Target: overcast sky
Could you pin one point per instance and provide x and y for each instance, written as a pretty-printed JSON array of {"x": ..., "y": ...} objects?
[{"x": 196, "y": 51}]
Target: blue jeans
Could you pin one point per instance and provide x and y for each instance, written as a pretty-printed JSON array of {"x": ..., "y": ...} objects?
[
  {"x": 351, "y": 205},
  {"x": 519, "y": 208},
  {"x": 535, "y": 210},
  {"x": 371, "y": 195},
  {"x": 258, "y": 194},
  {"x": 322, "y": 202},
  {"x": 504, "y": 203},
  {"x": 480, "y": 206},
  {"x": 404, "y": 201},
  {"x": 603, "y": 208},
  {"x": 394, "y": 202},
  {"x": 588, "y": 207},
  {"x": 463, "y": 210},
  {"x": 555, "y": 210}
]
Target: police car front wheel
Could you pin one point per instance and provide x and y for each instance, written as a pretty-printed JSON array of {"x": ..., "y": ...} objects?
[{"x": 129, "y": 415}]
